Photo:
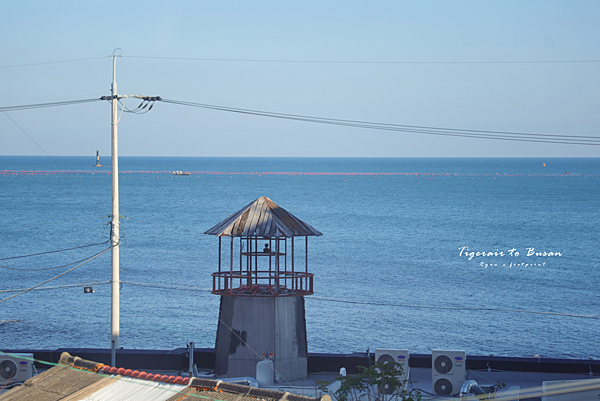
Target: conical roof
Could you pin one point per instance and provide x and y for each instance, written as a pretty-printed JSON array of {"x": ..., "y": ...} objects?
[{"x": 263, "y": 218}]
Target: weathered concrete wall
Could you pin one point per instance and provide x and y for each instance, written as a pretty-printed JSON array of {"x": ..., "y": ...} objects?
[{"x": 251, "y": 326}]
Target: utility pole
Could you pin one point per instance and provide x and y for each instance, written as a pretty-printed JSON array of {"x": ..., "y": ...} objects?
[
  {"x": 114, "y": 235},
  {"x": 114, "y": 238}
]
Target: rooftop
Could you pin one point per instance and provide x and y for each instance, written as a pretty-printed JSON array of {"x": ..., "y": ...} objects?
[
  {"x": 79, "y": 379},
  {"x": 263, "y": 218}
]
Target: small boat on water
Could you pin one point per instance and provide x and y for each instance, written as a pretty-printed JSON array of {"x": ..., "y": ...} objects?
[{"x": 179, "y": 172}]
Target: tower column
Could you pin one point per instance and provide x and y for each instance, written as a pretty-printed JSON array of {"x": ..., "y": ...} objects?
[{"x": 250, "y": 326}]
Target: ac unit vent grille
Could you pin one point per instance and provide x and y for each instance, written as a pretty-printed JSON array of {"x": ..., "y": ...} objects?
[
  {"x": 8, "y": 369},
  {"x": 443, "y": 364}
]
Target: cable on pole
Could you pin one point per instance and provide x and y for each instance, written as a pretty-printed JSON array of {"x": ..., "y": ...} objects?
[
  {"x": 53, "y": 62},
  {"x": 427, "y": 130},
  {"x": 379, "y": 303},
  {"x": 58, "y": 250},
  {"x": 51, "y": 104},
  {"x": 62, "y": 274},
  {"x": 142, "y": 108},
  {"x": 55, "y": 287},
  {"x": 238, "y": 60}
]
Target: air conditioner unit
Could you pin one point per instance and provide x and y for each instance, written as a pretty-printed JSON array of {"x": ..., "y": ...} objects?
[
  {"x": 399, "y": 356},
  {"x": 15, "y": 367},
  {"x": 448, "y": 371}
]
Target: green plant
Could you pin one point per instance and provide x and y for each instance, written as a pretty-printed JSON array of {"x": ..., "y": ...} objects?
[
  {"x": 322, "y": 385},
  {"x": 380, "y": 382}
]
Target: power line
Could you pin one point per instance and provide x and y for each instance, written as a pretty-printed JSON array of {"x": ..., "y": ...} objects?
[
  {"x": 377, "y": 303},
  {"x": 51, "y": 222},
  {"x": 53, "y": 62},
  {"x": 62, "y": 274},
  {"x": 35, "y": 106},
  {"x": 51, "y": 104},
  {"x": 54, "y": 287},
  {"x": 417, "y": 129},
  {"x": 38, "y": 106},
  {"x": 168, "y": 286},
  {"x": 27, "y": 135},
  {"x": 59, "y": 250},
  {"x": 43, "y": 268},
  {"x": 289, "y": 61},
  {"x": 427, "y": 130},
  {"x": 351, "y": 301},
  {"x": 239, "y": 60}
]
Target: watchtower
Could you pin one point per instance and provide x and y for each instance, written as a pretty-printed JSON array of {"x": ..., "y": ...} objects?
[{"x": 262, "y": 281}]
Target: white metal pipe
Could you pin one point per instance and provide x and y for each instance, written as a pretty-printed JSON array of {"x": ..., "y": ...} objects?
[
  {"x": 468, "y": 387},
  {"x": 115, "y": 283}
]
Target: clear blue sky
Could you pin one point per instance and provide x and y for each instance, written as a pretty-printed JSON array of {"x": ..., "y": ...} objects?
[{"x": 538, "y": 98}]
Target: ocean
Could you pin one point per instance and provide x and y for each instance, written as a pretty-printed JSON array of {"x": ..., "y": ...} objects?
[{"x": 491, "y": 256}]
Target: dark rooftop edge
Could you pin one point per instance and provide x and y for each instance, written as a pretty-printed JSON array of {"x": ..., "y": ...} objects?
[{"x": 204, "y": 358}]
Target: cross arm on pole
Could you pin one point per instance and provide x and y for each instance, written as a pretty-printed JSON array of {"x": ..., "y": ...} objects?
[{"x": 148, "y": 98}]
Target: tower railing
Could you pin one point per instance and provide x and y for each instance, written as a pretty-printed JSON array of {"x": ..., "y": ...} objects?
[{"x": 262, "y": 283}]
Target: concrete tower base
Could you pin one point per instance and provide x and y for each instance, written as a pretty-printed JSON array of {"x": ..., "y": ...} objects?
[{"x": 251, "y": 326}]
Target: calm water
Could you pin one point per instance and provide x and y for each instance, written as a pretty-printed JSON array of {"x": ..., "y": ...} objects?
[{"x": 388, "y": 270}]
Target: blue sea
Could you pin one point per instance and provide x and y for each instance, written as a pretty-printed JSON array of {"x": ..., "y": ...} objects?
[{"x": 490, "y": 256}]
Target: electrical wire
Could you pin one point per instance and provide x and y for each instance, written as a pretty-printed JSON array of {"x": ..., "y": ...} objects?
[
  {"x": 361, "y": 302},
  {"x": 53, "y": 62},
  {"x": 51, "y": 104},
  {"x": 427, "y": 130},
  {"x": 51, "y": 222},
  {"x": 167, "y": 286},
  {"x": 140, "y": 109},
  {"x": 281, "y": 61},
  {"x": 233, "y": 332},
  {"x": 28, "y": 136},
  {"x": 238, "y": 60},
  {"x": 62, "y": 274},
  {"x": 43, "y": 268},
  {"x": 59, "y": 250},
  {"x": 14, "y": 108},
  {"x": 54, "y": 287}
]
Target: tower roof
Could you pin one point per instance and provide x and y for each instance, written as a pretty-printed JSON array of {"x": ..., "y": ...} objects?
[{"x": 263, "y": 218}]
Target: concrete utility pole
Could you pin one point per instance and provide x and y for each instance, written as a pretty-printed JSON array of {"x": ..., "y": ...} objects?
[{"x": 114, "y": 237}]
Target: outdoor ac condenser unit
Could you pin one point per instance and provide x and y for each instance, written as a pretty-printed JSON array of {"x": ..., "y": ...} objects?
[
  {"x": 394, "y": 355},
  {"x": 15, "y": 367},
  {"x": 448, "y": 371}
]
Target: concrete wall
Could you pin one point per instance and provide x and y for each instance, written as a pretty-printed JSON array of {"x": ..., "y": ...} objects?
[{"x": 251, "y": 326}]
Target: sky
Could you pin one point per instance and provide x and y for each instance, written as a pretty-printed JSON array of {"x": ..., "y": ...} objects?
[{"x": 422, "y": 63}]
